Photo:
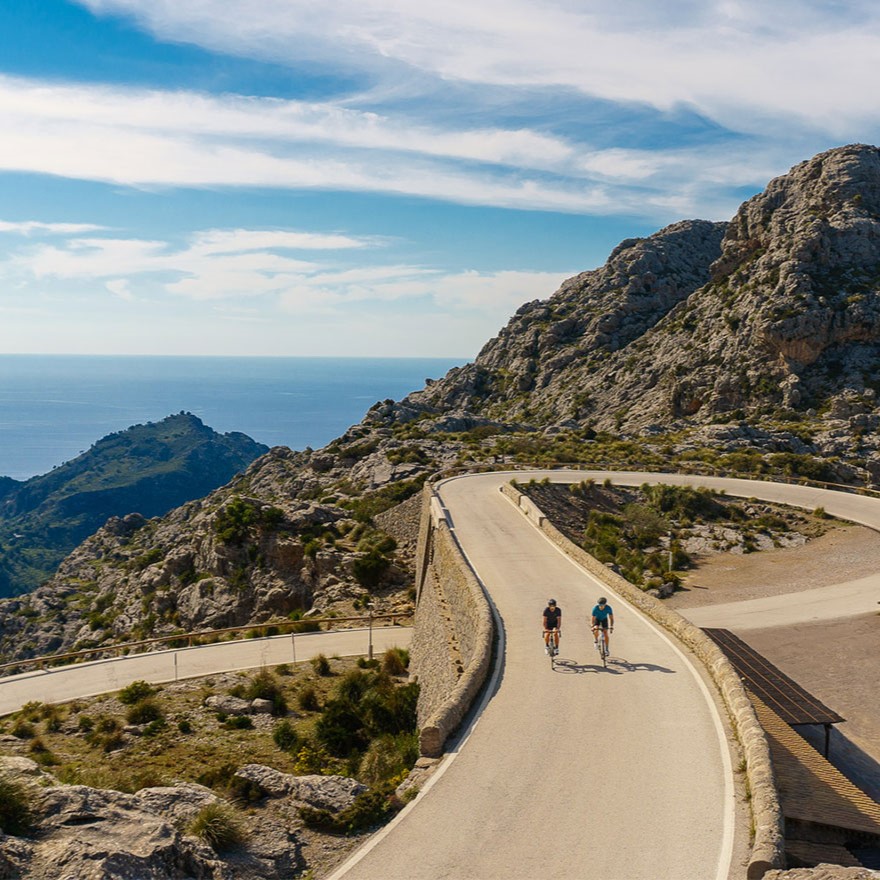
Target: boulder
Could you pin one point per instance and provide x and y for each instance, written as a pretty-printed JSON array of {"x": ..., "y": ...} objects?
[
  {"x": 332, "y": 793},
  {"x": 272, "y": 782},
  {"x": 228, "y": 705},
  {"x": 90, "y": 833},
  {"x": 180, "y": 803}
]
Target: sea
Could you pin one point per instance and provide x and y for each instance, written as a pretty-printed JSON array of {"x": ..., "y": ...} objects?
[{"x": 53, "y": 407}]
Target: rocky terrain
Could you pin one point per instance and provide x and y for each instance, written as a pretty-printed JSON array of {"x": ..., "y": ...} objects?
[
  {"x": 203, "y": 779},
  {"x": 149, "y": 468},
  {"x": 747, "y": 346}
]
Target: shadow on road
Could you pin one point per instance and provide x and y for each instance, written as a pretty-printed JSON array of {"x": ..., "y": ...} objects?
[
  {"x": 616, "y": 666},
  {"x": 572, "y": 668},
  {"x": 638, "y": 667}
]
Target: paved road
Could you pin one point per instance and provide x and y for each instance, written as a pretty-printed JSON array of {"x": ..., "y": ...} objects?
[
  {"x": 836, "y": 601},
  {"x": 103, "y": 676},
  {"x": 577, "y": 773}
]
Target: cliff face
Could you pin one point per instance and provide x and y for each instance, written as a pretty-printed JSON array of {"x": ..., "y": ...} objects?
[
  {"x": 542, "y": 365},
  {"x": 758, "y": 340},
  {"x": 150, "y": 469},
  {"x": 776, "y": 312}
]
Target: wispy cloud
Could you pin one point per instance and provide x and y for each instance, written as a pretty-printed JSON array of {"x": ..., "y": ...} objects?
[
  {"x": 236, "y": 268},
  {"x": 37, "y": 227},
  {"x": 151, "y": 138},
  {"x": 739, "y": 62}
]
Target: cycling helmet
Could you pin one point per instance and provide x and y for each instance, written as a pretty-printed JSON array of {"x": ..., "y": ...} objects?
[
  {"x": 603, "y": 600},
  {"x": 551, "y": 601}
]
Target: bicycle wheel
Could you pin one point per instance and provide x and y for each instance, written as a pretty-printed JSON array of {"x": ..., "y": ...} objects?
[{"x": 603, "y": 652}]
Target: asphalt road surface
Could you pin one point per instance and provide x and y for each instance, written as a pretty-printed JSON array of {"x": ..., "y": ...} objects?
[{"x": 571, "y": 773}]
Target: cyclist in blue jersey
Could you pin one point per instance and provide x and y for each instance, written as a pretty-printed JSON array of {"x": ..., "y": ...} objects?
[{"x": 603, "y": 619}]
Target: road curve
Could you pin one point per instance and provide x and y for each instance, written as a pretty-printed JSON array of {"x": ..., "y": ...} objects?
[
  {"x": 577, "y": 773},
  {"x": 103, "y": 676}
]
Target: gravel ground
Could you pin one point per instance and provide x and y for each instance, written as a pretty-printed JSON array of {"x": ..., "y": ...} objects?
[{"x": 837, "y": 661}]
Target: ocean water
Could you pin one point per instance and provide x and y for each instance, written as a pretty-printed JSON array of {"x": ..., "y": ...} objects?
[{"x": 54, "y": 407}]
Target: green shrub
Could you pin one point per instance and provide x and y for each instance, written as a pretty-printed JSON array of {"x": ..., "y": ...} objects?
[
  {"x": 220, "y": 826},
  {"x": 22, "y": 729},
  {"x": 185, "y": 726},
  {"x": 369, "y": 568},
  {"x": 285, "y": 736},
  {"x": 395, "y": 661},
  {"x": 388, "y": 757},
  {"x": 135, "y": 692},
  {"x": 264, "y": 686},
  {"x": 313, "y": 758},
  {"x": 369, "y": 809},
  {"x": 143, "y": 712},
  {"x": 155, "y": 726},
  {"x": 238, "y": 722},
  {"x": 16, "y": 806},
  {"x": 307, "y": 699},
  {"x": 41, "y": 753},
  {"x": 321, "y": 665},
  {"x": 244, "y": 791}
]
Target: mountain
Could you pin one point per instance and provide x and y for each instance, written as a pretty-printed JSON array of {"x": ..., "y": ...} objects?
[
  {"x": 149, "y": 469},
  {"x": 772, "y": 316},
  {"x": 750, "y": 345}
]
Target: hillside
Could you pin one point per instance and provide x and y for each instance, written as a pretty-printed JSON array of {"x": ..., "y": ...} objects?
[
  {"x": 149, "y": 469},
  {"x": 750, "y": 345}
]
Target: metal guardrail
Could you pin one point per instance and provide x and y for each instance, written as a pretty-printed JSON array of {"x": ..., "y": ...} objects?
[{"x": 201, "y": 637}]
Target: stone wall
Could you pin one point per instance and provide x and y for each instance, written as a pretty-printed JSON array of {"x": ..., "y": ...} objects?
[
  {"x": 451, "y": 650},
  {"x": 769, "y": 844}
]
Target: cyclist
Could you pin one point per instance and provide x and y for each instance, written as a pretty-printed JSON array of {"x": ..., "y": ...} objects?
[
  {"x": 603, "y": 618},
  {"x": 552, "y": 625}
]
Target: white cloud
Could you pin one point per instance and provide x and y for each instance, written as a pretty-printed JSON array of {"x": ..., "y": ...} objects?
[
  {"x": 37, "y": 227},
  {"x": 741, "y": 63},
  {"x": 245, "y": 272},
  {"x": 184, "y": 139}
]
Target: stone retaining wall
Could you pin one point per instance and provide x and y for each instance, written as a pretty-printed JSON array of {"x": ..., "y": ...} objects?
[
  {"x": 451, "y": 650},
  {"x": 769, "y": 844}
]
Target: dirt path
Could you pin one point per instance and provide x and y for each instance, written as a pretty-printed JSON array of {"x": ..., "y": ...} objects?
[{"x": 838, "y": 661}]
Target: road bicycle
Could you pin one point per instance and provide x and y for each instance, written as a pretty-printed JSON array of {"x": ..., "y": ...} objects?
[
  {"x": 552, "y": 646},
  {"x": 602, "y": 646}
]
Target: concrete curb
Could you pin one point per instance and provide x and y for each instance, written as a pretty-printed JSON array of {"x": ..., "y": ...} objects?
[{"x": 768, "y": 847}]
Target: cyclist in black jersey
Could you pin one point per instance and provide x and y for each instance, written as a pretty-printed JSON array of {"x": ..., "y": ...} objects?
[{"x": 552, "y": 625}]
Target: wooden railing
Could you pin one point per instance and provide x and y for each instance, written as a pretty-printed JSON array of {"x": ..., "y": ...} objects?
[{"x": 203, "y": 637}]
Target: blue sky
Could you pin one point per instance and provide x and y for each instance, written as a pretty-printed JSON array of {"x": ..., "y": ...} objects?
[{"x": 382, "y": 177}]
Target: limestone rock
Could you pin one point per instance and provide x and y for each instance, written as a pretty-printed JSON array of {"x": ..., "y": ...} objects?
[
  {"x": 327, "y": 792},
  {"x": 272, "y": 782},
  {"x": 228, "y": 705}
]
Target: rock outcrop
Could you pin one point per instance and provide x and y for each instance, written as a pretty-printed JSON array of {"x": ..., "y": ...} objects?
[{"x": 84, "y": 833}]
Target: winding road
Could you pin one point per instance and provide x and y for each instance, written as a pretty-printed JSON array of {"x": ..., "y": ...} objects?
[{"x": 580, "y": 772}]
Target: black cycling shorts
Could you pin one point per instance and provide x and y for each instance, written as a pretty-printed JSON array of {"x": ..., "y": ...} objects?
[{"x": 602, "y": 623}]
